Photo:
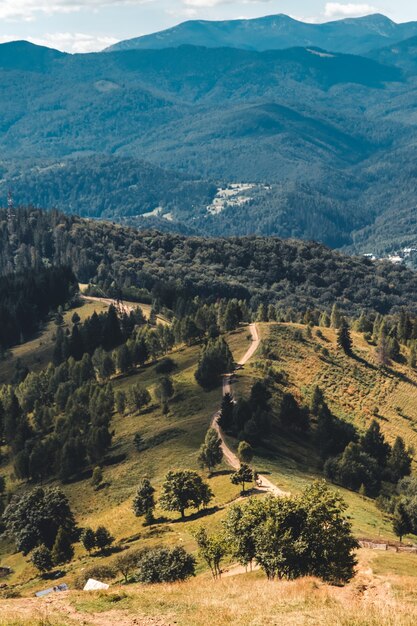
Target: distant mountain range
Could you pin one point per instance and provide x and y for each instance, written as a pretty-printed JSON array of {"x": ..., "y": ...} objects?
[
  {"x": 298, "y": 142},
  {"x": 353, "y": 35}
]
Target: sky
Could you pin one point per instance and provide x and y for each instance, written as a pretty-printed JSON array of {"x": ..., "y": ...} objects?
[{"x": 90, "y": 25}]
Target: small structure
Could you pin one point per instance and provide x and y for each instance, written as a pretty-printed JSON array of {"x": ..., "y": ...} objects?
[
  {"x": 94, "y": 585},
  {"x": 56, "y": 589}
]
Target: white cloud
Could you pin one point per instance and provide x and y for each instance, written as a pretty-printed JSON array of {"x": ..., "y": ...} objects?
[
  {"x": 68, "y": 42},
  {"x": 27, "y": 10},
  {"x": 337, "y": 9},
  {"x": 207, "y": 4}
]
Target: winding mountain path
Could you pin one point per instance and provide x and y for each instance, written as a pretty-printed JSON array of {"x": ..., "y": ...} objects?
[{"x": 231, "y": 458}]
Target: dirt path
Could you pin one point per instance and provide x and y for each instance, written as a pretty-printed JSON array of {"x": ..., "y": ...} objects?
[
  {"x": 229, "y": 455},
  {"x": 59, "y": 608},
  {"x": 124, "y": 307}
]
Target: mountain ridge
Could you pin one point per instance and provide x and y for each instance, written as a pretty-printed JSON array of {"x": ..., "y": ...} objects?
[{"x": 280, "y": 31}]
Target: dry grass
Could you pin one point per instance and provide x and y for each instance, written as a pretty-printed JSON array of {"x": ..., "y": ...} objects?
[{"x": 246, "y": 600}]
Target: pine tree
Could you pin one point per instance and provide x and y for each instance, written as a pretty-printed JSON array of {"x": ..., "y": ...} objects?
[
  {"x": 344, "y": 340},
  {"x": 374, "y": 444},
  {"x": 144, "y": 501},
  {"x": 335, "y": 318},
  {"x": 399, "y": 461},
  {"x": 62, "y": 551},
  {"x": 225, "y": 420}
]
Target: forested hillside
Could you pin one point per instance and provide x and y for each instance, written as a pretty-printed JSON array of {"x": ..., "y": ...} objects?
[
  {"x": 27, "y": 297},
  {"x": 173, "y": 267}
]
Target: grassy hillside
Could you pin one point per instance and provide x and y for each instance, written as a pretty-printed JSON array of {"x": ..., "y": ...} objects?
[
  {"x": 353, "y": 388},
  {"x": 356, "y": 390}
]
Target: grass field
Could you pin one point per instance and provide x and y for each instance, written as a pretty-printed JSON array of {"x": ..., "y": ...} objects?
[{"x": 380, "y": 595}]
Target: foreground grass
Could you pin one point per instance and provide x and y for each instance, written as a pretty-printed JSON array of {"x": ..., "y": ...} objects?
[{"x": 247, "y": 600}]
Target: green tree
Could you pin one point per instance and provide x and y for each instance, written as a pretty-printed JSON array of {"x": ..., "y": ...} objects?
[
  {"x": 344, "y": 340},
  {"x": 88, "y": 539},
  {"x": 399, "y": 460},
  {"x": 97, "y": 477},
  {"x": 183, "y": 489},
  {"x": 245, "y": 452},
  {"x": 215, "y": 359},
  {"x": 401, "y": 524},
  {"x": 103, "y": 538},
  {"x": 374, "y": 444},
  {"x": 335, "y": 317},
  {"x": 144, "y": 501},
  {"x": 126, "y": 563},
  {"x": 165, "y": 565},
  {"x": 211, "y": 453},
  {"x": 62, "y": 551},
  {"x": 212, "y": 549},
  {"x": 36, "y": 517},
  {"x": 242, "y": 476},
  {"x": 165, "y": 390},
  {"x": 225, "y": 420},
  {"x": 42, "y": 559}
]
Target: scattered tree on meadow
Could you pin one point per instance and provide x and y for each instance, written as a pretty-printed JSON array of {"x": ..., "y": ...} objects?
[
  {"x": 344, "y": 340},
  {"x": 164, "y": 565},
  {"x": 183, "y": 489},
  {"x": 88, "y": 539},
  {"x": 103, "y": 538},
  {"x": 242, "y": 476},
  {"x": 42, "y": 559},
  {"x": 126, "y": 563},
  {"x": 62, "y": 551},
  {"x": 211, "y": 453},
  {"x": 245, "y": 452},
  {"x": 144, "y": 501}
]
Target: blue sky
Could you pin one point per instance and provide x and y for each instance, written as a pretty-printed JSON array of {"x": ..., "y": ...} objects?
[{"x": 87, "y": 25}]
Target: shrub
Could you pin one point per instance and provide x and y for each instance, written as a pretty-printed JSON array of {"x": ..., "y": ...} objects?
[
  {"x": 165, "y": 565},
  {"x": 166, "y": 366},
  {"x": 98, "y": 572}
]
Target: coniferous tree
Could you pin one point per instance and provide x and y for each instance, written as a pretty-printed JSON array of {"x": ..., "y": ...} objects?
[
  {"x": 62, "y": 551},
  {"x": 144, "y": 501},
  {"x": 344, "y": 340},
  {"x": 374, "y": 444},
  {"x": 226, "y": 413}
]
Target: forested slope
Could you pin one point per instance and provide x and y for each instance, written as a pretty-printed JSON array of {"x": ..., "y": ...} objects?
[{"x": 173, "y": 267}]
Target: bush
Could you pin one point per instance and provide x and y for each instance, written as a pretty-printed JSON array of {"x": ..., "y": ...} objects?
[
  {"x": 166, "y": 366},
  {"x": 98, "y": 572},
  {"x": 165, "y": 565}
]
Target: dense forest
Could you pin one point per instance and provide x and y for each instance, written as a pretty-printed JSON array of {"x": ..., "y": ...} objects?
[
  {"x": 26, "y": 298},
  {"x": 168, "y": 268}
]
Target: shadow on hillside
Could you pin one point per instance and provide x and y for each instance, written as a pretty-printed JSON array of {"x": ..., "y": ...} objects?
[
  {"x": 198, "y": 515},
  {"x": 225, "y": 472}
]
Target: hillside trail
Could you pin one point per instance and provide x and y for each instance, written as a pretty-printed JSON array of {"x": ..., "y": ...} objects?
[
  {"x": 265, "y": 484},
  {"x": 123, "y": 307},
  {"x": 58, "y": 607}
]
